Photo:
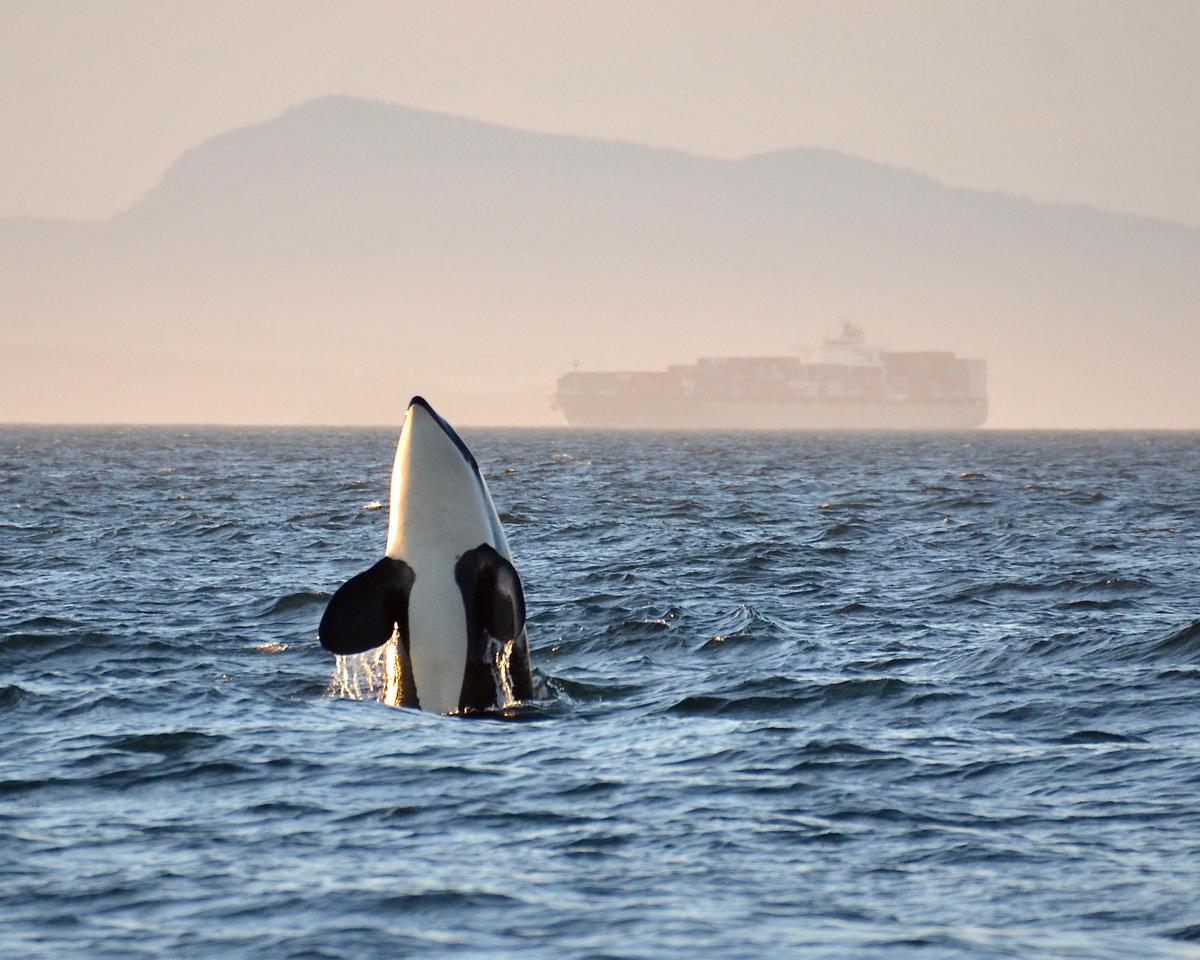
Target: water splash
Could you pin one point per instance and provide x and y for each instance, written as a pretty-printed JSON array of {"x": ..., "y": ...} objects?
[
  {"x": 500, "y": 655},
  {"x": 372, "y": 675},
  {"x": 377, "y": 675}
]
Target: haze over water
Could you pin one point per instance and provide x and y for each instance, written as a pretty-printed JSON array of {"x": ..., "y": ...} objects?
[
  {"x": 812, "y": 695},
  {"x": 303, "y": 215}
]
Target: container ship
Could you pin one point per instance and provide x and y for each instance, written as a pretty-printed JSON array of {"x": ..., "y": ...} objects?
[{"x": 845, "y": 384}]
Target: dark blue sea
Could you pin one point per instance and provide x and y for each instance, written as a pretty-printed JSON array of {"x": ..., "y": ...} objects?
[{"x": 809, "y": 695}]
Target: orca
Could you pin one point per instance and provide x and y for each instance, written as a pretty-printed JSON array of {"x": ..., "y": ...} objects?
[{"x": 446, "y": 591}]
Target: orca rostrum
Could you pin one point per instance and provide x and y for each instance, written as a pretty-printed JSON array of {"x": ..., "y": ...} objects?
[{"x": 446, "y": 592}]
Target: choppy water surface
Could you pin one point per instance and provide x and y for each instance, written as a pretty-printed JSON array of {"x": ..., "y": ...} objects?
[{"x": 814, "y": 695}]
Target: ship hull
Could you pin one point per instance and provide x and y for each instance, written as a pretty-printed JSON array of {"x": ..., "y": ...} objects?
[{"x": 686, "y": 413}]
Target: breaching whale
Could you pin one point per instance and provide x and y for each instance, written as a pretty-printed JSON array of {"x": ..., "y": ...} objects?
[{"x": 446, "y": 590}]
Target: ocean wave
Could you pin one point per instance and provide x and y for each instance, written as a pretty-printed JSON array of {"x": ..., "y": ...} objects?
[
  {"x": 299, "y": 600},
  {"x": 1183, "y": 643}
]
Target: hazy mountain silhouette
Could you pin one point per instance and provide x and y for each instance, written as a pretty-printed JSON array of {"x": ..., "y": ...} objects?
[{"x": 325, "y": 265}]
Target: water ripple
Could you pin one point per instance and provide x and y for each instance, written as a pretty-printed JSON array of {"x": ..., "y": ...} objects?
[{"x": 806, "y": 695}]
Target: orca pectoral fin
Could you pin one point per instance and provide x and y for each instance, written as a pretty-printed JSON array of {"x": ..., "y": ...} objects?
[
  {"x": 367, "y": 609},
  {"x": 495, "y": 605}
]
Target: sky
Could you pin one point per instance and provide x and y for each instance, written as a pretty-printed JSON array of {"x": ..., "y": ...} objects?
[{"x": 1081, "y": 102}]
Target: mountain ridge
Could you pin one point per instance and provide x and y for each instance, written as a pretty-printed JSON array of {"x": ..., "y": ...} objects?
[{"x": 316, "y": 103}]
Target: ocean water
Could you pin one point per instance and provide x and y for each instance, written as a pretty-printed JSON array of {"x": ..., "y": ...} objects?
[{"x": 809, "y": 696}]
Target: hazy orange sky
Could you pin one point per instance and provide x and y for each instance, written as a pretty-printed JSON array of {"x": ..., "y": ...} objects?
[{"x": 1091, "y": 102}]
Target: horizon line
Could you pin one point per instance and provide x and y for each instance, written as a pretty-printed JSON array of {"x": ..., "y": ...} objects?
[{"x": 216, "y": 425}]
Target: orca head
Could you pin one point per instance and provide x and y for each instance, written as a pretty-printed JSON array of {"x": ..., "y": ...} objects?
[{"x": 439, "y": 501}]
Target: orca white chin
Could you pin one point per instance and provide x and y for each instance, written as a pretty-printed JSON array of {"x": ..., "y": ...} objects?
[
  {"x": 446, "y": 587},
  {"x": 439, "y": 497}
]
